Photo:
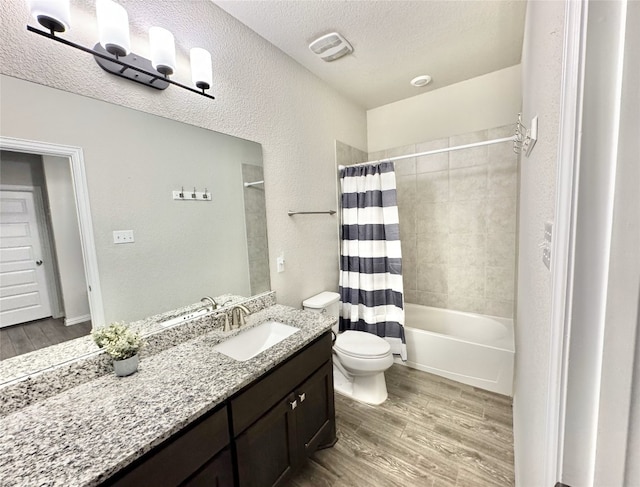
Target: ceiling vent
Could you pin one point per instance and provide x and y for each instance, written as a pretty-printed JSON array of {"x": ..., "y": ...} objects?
[{"x": 331, "y": 47}]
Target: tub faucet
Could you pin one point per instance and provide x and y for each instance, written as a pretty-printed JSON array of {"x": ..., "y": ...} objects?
[{"x": 238, "y": 314}]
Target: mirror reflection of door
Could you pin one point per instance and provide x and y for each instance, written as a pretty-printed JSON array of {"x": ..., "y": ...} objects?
[
  {"x": 43, "y": 292},
  {"x": 23, "y": 294}
]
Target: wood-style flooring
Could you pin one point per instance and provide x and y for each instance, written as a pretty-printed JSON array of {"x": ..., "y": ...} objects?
[
  {"x": 431, "y": 432},
  {"x": 27, "y": 337}
]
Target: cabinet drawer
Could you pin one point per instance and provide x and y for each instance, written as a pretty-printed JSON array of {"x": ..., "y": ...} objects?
[
  {"x": 268, "y": 391},
  {"x": 175, "y": 460}
]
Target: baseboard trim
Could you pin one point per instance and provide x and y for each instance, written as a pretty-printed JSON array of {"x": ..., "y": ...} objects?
[{"x": 76, "y": 320}]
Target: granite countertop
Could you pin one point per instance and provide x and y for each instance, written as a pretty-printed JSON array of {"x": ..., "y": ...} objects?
[
  {"x": 84, "y": 435},
  {"x": 15, "y": 368}
]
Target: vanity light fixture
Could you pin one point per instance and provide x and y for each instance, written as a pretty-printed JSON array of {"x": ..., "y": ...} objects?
[{"x": 113, "y": 52}]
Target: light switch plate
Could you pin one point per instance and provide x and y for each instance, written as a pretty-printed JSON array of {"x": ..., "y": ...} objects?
[{"x": 123, "y": 236}]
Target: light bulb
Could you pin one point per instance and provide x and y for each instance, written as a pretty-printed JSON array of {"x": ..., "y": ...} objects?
[
  {"x": 201, "y": 71},
  {"x": 113, "y": 26},
  {"x": 54, "y": 15},
  {"x": 163, "y": 50}
]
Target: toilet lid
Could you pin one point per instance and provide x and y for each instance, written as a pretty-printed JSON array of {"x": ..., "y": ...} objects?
[{"x": 362, "y": 344}]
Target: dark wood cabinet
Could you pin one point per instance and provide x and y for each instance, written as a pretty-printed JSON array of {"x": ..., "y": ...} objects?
[
  {"x": 180, "y": 456},
  {"x": 303, "y": 420},
  {"x": 217, "y": 473},
  {"x": 258, "y": 438},
  {"x": 315, "y": 418},
  {"x": 267, "y": 451}
]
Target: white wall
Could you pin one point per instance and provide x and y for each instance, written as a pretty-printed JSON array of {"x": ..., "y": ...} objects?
[
  {"x": 620, "y": 391},
  {"x": 66, "y": 237},
  {"x": 479, "y": 103},
  {"x": 262, "y": 95},
  {"x": 606, "y": 289},
  {"x": 541, "y": 82}
]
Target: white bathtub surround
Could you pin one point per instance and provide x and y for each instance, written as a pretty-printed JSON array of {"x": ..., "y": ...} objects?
[
  {"x": 457, "y": 223},
  {"x": 469, "y": 348}
]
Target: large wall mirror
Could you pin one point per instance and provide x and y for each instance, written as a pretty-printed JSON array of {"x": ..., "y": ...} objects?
[{"x": 182, "y": 250}]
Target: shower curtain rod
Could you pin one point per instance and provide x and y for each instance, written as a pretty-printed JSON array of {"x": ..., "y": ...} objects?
[{"x": 437, "y": 151}]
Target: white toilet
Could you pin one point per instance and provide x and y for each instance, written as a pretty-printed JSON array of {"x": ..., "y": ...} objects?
[{"x": 359, "y": 358}]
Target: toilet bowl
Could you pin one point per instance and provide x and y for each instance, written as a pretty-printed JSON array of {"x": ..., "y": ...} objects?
[{"x": 359, "y": 358}]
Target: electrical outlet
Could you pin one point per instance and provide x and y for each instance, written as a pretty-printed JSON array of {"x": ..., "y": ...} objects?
[{"x": 123, "y": 236}]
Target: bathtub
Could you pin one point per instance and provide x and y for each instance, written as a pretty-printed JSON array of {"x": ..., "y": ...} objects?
[{"x": 469, "y": 348}]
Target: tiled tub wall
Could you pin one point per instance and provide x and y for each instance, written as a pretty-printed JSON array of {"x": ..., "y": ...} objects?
[
  {"x": 458, "y": 223},
  {"x": 255, "y": 216},
  {"x": 347, "y": 155}
]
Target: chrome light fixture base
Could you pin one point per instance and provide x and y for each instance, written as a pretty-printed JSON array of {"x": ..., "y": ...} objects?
[
  {"x": 147, "y": 76},
  {"x": 50, "y": 23}
]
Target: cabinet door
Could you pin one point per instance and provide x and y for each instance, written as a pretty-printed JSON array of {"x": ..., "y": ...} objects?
[
  {"x": 267, "y": 451},
  {"x": 315, "y": 415},
  {"x": 217, "y": 473}
]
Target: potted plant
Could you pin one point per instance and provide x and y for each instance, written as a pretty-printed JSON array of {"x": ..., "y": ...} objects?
[{"x": 122, "y": 344}]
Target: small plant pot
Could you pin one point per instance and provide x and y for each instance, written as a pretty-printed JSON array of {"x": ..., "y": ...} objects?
[{"x": 126, "y": 367}]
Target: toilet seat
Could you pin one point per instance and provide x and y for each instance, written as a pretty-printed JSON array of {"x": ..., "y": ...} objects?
[{"x": 360, "y": 344}]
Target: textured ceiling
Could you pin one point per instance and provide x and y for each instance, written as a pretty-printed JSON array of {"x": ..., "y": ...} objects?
[{"x": 393, "y": 40}]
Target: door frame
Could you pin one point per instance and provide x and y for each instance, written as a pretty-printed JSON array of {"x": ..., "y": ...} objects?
[
  {"x": 45, "y": 243},
  {"x": 563, "y": 245},
  {"x": 83, "y": 209}
]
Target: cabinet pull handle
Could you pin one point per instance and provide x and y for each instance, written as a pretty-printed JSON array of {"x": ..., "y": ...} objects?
[
  {"x": 293, "y": 405},
  {"x": 302, "y": 397}
]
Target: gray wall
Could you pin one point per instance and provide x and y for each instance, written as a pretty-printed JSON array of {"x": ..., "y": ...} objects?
[
  {"x": 458, "y": 223},
  {"x": 21, "y": 169},
  {"x": 66, "y": 239}
]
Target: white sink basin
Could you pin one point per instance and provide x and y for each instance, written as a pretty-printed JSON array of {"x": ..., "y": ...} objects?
[{"x": 250, "y": 343}]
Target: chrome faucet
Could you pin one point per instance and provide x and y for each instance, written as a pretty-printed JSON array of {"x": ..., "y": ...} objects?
[
  {"x": 238, "y": 314},
  {"x": 211, "y": 301}
]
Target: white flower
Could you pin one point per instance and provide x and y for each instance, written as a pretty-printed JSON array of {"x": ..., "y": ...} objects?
[{"x": 118, "y": 341}]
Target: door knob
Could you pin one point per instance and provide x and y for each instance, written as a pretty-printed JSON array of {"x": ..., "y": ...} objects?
[
  {"x": 293, "y": 405},
  {"x": 302, "y": 397},
  {"x": 38, "y": 262}
]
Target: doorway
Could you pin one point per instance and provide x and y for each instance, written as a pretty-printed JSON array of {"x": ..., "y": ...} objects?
[{"x": 66, "y": 259}]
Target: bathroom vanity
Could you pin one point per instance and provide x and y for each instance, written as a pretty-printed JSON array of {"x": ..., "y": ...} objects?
[
  {"x": 189, "y": 416},
  {"x": 260, "y": 435}
]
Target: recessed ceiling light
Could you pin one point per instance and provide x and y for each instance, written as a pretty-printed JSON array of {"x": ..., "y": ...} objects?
[{"x": 420, "y": 81}]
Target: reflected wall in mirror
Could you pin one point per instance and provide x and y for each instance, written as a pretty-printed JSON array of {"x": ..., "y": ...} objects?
[{"x": 182, "y": 250}]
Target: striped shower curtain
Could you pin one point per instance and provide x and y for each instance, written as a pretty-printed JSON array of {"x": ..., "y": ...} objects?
[{"x": 370, "y": 258}]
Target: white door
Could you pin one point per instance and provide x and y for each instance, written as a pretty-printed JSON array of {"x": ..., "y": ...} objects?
[{"x": 23, "y": 284}]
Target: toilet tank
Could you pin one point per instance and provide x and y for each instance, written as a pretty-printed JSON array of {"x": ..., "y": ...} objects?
[{"x": 326, "y": 302}]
